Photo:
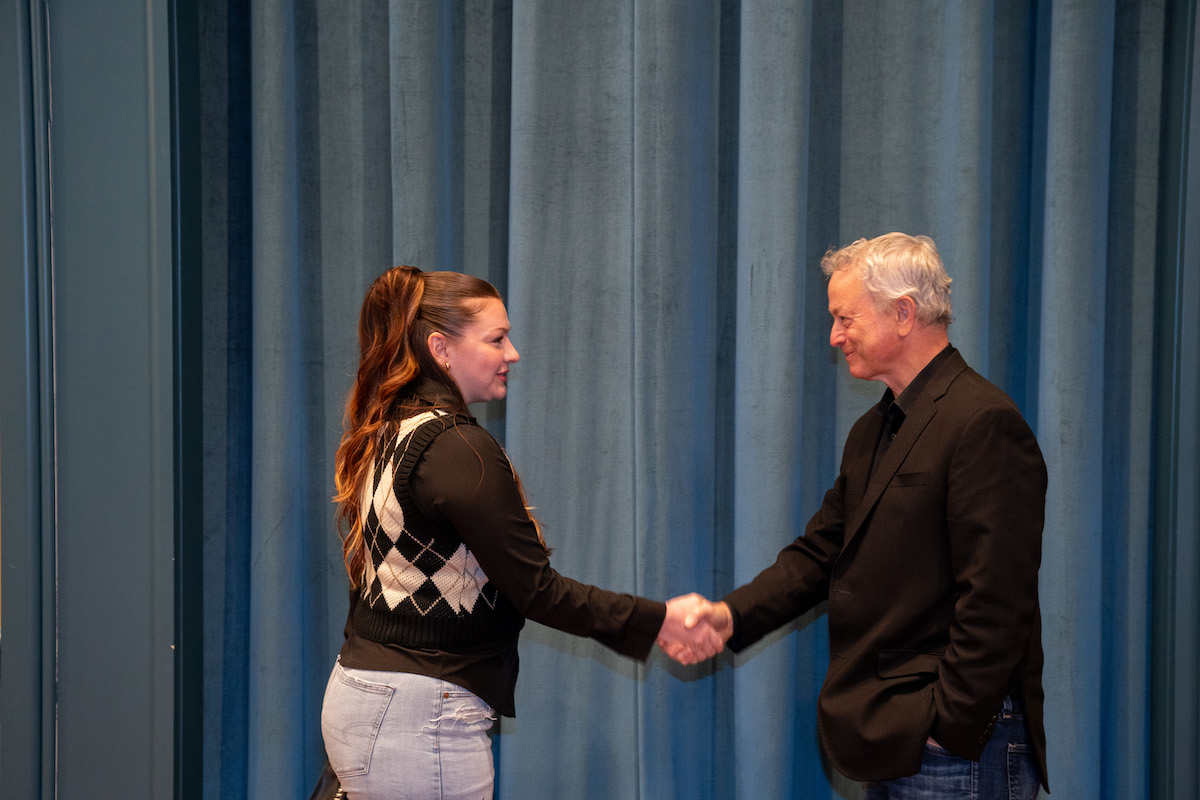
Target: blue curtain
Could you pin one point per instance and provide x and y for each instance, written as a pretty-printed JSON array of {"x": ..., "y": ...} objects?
[{"x": 651, "y": 185}]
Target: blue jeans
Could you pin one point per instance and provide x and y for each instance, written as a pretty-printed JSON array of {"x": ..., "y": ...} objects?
[
  {"x": 399, "y": 736},
  {"x": 1006, "y": 771}
]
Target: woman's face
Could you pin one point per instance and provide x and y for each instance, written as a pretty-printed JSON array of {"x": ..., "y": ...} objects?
[{"x": 479, "y": 359}]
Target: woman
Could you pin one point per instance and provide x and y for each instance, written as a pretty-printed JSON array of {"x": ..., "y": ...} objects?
[{"x": 445, "y": 561}]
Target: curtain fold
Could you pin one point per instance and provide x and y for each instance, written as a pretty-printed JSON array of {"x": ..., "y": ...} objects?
[
  {"x": 652, "y": 185},
  {"x": 1070, "y": 386},
  {"x": 782, "y": 390}
]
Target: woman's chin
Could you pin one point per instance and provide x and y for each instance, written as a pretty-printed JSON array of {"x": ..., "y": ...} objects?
[{"x": 499, "y": 394}]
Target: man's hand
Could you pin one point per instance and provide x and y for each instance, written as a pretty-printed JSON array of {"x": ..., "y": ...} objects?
[{"x": 694, "y": 629}]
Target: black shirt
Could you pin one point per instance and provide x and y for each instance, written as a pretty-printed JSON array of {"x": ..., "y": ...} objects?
[
  {"x": 465, "y": 477},
  {"x": 894, "y": 409}
]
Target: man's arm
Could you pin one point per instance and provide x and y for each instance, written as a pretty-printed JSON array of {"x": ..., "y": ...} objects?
[{"x": 797, "y": 581}]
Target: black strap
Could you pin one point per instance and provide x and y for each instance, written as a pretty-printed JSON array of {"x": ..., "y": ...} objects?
[{"x": 328, "y": 787}]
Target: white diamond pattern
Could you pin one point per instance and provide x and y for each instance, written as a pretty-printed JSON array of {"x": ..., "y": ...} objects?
[
  {"x": 461, "y": 581},
  {"x": 390, "y": 573},
  {"x": 400, "y": 579}
]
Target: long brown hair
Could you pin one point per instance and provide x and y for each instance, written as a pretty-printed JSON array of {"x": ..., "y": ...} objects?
[{"x": 401, "y": 309}]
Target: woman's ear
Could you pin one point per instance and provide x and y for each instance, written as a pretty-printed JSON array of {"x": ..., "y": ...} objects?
[{"x": 437, "y": 346}]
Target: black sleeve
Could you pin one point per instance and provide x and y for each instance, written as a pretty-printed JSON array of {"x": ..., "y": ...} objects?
[
  {"x": 797, "y": 581},
  {"x": 465, "y": 477}
]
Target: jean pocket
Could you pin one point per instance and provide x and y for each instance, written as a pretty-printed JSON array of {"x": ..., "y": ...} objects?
[
  {"x": 464, "y": 707},
  {"x": 1024, "y": 778},
  {"x": 350, "y": 720}
]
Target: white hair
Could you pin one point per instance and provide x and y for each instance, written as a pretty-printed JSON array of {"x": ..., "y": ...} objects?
[{"x": 897, "y": 265}]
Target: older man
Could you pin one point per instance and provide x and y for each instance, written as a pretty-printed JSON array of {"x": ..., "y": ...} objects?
[{"x": 927, "y": 548}]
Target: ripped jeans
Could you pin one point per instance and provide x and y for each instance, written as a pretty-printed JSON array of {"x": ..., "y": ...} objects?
[{"x": 399, "y": 736}]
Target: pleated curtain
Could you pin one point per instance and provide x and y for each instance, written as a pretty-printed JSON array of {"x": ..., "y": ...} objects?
[{"x": 651, "y": 185}]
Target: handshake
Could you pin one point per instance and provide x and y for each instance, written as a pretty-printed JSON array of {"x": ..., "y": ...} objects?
[{"x": 695, "y": 629}]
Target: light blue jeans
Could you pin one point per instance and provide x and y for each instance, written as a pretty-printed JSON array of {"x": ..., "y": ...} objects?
[
  {"x": 1006, "y": 771},
  {"x": 399, "y": 736}
]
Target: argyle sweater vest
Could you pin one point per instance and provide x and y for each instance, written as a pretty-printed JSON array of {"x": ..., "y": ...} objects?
[{"x": 423, "y": 588}]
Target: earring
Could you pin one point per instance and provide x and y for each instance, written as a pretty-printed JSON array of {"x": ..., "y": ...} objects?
[{"x": 447, "y": 366}]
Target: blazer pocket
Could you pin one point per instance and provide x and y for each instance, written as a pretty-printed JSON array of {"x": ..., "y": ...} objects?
[
  {"x": 907, "y": 663},
  {"x": 910, "y": 479}
]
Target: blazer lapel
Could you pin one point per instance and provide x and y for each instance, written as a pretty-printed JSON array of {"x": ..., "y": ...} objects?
[
  {"x": 857, "y": 464},
  {"x": 914, "y": 425}
]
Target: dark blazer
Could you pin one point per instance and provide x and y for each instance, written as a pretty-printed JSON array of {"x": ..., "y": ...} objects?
[{"x": 930, "y": 567}]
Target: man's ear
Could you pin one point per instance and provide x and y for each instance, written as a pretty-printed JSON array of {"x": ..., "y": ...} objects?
[{"x": 906, "y": 314}]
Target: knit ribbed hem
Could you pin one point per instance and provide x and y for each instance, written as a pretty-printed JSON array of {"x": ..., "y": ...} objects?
[{"x": 435, "y": 633}]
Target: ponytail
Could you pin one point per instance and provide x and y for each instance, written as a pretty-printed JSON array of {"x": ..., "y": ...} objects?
[{"x": 401, "y": 309}]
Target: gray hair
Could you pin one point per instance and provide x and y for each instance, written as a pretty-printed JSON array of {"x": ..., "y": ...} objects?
[{"x": 897, "y": 265}]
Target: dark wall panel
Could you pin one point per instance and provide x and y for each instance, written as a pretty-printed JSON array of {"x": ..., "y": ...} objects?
[{"x": 101, "y": 295}]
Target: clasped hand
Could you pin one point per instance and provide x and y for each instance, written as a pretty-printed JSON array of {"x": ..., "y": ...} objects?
[{"x": 695, "y": 629}]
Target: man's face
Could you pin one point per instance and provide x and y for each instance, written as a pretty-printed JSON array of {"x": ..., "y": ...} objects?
[{"x": 867, "y": 337}]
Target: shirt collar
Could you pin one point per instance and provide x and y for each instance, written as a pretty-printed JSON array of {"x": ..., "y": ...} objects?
[
  {"x": 432, "y": 393},
  {"x": 908, "y": 398}
]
